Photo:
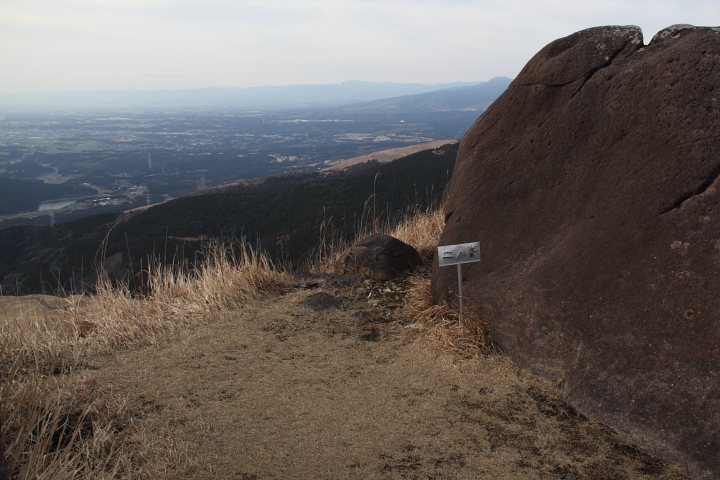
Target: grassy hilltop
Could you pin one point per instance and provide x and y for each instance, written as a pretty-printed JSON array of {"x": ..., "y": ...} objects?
[
  {"x": 216, "y": 370},
  {"x": 219, "y": 372}
]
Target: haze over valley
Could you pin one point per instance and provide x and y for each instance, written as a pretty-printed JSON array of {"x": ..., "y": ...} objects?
[{"x": 96, "y": 159}]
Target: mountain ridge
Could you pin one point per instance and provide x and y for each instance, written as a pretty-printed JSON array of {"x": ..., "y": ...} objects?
[
  {"x": 268, "y": 96},
  {"x": 470, "y": 98},
  {"x": 339, "y": 170}
]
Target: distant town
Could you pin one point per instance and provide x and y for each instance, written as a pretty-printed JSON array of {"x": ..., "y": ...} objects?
[{"x": 136, "y": 158}]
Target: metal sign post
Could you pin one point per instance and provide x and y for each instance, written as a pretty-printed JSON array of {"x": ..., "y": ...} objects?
[{"x": 457, "y": 255}]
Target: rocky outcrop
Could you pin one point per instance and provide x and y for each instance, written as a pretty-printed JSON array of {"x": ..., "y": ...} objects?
[
  {"x": 380, "y": 257},
  {"x": 592, "y": 186}
]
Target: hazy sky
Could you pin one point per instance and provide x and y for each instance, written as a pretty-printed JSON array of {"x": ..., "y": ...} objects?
[{"x": 108, "y": 44}]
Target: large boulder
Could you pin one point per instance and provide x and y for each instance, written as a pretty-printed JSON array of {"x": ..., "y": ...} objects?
[
  {"x": 592, "y": 187},
  {"x": 380, "y": 257}
]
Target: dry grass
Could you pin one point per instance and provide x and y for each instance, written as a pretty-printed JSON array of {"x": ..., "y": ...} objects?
[
  {"x": 57, "y": 426},
  {"x": 440, "y": 326},
  {"x": 421, "y": 229},
  {"x": 175, "y": 298},
  {"x": 54, "y": 426},
  {"x": 418, "y": 228},
  {"x": 66, "y": 428}
]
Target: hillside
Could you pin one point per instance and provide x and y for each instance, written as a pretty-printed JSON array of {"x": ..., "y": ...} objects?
[
  {"x": 226, "y": 373},
  {"x": 385, "y": 156},
  {"x": 281, "y": 181},
  {"x": 287, "y": 224},
  {"x": 339, "y": 170}
]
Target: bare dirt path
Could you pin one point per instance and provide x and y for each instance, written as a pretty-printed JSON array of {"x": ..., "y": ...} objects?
[{"x": 277, "y": 391}]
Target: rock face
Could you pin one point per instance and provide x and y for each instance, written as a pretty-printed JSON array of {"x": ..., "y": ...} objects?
[
  {"x": 380, "y": 257},
  {"x": 592, "y": 186}
]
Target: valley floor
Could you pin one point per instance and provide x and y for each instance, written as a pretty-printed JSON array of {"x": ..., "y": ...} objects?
[{"x": 278, "y": 391}]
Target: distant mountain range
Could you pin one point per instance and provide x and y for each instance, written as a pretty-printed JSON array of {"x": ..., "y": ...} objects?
[
  {"x": 288, "y": 96},
  {"x": 472, "y": 98}
]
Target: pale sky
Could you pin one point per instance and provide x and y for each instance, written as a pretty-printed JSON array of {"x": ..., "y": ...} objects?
[{"x": 144, "y": 44}]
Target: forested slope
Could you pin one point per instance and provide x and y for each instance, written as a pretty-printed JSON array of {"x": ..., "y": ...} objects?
[{"x": 287, "y": 224}]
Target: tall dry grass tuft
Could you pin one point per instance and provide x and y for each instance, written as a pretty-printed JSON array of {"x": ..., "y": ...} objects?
[
  {"x": 54, "y": 427},
  {"x": 175, "y": 297},
  {"x": 331, "y": 245},
  {"x": 421, "y": 229},
  {"x": 440, "y": 326},
  {"x": 63, "y": 428}
]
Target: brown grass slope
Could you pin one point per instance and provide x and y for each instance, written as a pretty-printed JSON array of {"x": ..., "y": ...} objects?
[
  {"x": 219, "y": 373},
  {"x": 385, "y": 156}
]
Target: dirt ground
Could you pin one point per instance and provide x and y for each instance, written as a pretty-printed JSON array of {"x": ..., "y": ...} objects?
[{"x": 279, "y": 391}]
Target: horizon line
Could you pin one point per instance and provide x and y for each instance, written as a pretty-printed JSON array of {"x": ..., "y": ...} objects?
[{"x": 168, "y": 88}]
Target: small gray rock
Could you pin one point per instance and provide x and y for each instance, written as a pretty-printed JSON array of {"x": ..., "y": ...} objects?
[{"x": 322, "y": 301}]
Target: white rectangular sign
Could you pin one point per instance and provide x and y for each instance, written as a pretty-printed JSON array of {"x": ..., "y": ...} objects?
[{"x": 455, "y": 254}]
